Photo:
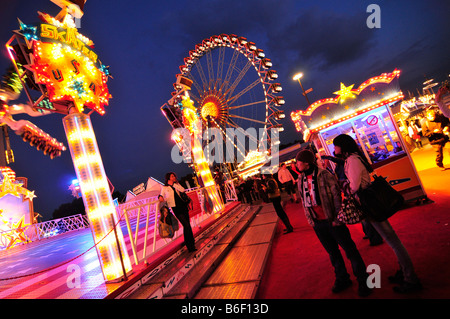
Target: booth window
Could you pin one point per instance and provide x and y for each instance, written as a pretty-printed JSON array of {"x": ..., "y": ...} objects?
[{"x": 374, "y": 130}]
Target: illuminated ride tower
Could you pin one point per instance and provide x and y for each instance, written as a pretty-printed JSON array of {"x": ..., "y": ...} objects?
[
  {"x": 61, "y": 73},
  {"x": 187, "y": 133}
]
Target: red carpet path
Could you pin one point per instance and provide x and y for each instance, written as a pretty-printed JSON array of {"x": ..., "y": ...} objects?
[{"x": 299, "y": 268}]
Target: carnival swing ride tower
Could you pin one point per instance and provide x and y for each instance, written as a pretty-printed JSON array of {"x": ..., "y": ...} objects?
[{"x": 58, "y": 64}]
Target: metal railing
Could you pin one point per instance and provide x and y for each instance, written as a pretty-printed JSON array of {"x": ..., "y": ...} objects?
[
  {"x": 128, "y": 211},
  {"x": 135, "y": 211},
  {"x": 35, "y": 232},
  {"x": 143, "y": 211}
]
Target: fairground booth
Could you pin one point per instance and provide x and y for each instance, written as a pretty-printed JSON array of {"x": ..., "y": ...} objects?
[{"x": 365, "y": 114}]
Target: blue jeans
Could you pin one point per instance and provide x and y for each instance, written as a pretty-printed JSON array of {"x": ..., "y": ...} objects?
[{"x": 386, "y": 231}]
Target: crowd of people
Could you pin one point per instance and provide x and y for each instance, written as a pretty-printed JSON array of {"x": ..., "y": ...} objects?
[
  {"x": 310, "y": 181},
  {"x": 254, "y": 188},
  {"x": 321, "y": 192},
  {"x": 433, "y": 125}
]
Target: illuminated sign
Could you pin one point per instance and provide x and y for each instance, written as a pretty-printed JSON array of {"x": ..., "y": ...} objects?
[
  {"x": 63, "y": 61},
  {"x": 373, "y": 93},
  {"x": 372, "y": 120}
]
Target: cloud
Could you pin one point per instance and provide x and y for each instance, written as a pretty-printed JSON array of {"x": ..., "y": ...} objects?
[
  {"x": 324, "y": 38},
  {"x": 212, "y": 17}
]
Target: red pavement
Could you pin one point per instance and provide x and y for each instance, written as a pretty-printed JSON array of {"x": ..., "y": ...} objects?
[{"x": 299, "y": 267}]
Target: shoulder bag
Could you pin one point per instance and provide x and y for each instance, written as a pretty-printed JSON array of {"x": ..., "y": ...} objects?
[
  {"x": 350, "y": 212},
  {"x": 380, "y": 200}
]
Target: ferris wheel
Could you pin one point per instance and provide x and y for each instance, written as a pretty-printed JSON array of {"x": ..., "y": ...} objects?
[{"x": 233, "y": 85}]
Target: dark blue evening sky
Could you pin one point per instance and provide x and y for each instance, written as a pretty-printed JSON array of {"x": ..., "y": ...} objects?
[{"x": 144, "y": 43}]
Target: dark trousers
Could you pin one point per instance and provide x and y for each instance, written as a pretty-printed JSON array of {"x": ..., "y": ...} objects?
[
  {"x": 276, "y": 201},
  {"x": 439, "y": 150},
  {"x": 331, "y": 238},
  {"x": 182, "y": 214}
]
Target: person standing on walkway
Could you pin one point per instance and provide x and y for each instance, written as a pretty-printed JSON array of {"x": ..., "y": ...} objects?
[
  {"x": 357, "y": 172},
  {"x": 287, "y": 181},
  {"x": 413, "y": 132},
  {"x": 370, "y": 232},
  {"x": 321, "y": 200},
  {"x": 274, "y": 195},
  {"x": 171, "y": 194},
  {"x": 443, "y": 99},
  {"x": 436, "y": 129}
]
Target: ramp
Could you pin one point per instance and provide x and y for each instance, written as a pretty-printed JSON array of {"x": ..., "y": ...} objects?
[
  {"x": 239, "y": 274},
  {"x": 158, "y": 283}
]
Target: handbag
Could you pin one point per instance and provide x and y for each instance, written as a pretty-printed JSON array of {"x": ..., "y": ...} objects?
[
  {"x": 174, "y": 220},
  {"x": 165, "y": 230},
  {"x": 350, "y": 212},
  {"x": 187, "y": 200},
  {"x": 380, "y": 200}
]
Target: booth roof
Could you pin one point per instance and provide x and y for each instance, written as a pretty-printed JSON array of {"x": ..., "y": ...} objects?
[{"x": 348, "y": 101}]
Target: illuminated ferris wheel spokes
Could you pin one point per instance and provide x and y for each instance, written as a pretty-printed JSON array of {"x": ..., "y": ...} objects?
[
  {"x": 224, "y": 86},
  {"x": 225, "y": 116},
  {"x": 223, "y": 90}
]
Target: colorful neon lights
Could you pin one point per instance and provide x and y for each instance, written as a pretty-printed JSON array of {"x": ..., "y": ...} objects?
[
  {"x": 16, "y": 210},
  {"x": 363, "y": 109},
  {"x": 329, "y": 118},
  {"x": 96, "y": 195},
  {"x": 194, "y": 124},
  {"x": 383, "y": 78},
  {"x": 65, "y": 63}
]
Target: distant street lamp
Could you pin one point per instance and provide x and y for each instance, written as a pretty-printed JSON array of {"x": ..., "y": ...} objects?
[{"x": 297, "y": 77}]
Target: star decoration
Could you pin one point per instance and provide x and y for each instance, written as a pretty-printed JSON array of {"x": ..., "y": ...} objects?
[
  {"x": 28, "y": 32},
  {"x": 77, "y": 86},
  {"x": 105, "y": 69},
  {"x": 372, "y": 88},
  {"x": 345, "y": 92},
  {"x": 9, "y": 187},
  {"x": 30, "y": 196},
  {"x": 13, "y": 187},
  {"x": 13, "y": 232},
  {"x": 17, "y": 233}
]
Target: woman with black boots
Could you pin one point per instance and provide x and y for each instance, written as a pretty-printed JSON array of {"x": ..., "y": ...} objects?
[
  {"x": 274, "y": 194},
  {"x": 171, "y": 194}
]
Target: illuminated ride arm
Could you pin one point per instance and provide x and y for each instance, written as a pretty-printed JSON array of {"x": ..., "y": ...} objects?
[{"x": 34, "y": 135}]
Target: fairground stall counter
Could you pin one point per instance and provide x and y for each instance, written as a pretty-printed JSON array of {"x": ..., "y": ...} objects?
[{"x": 364, "y": 114}]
